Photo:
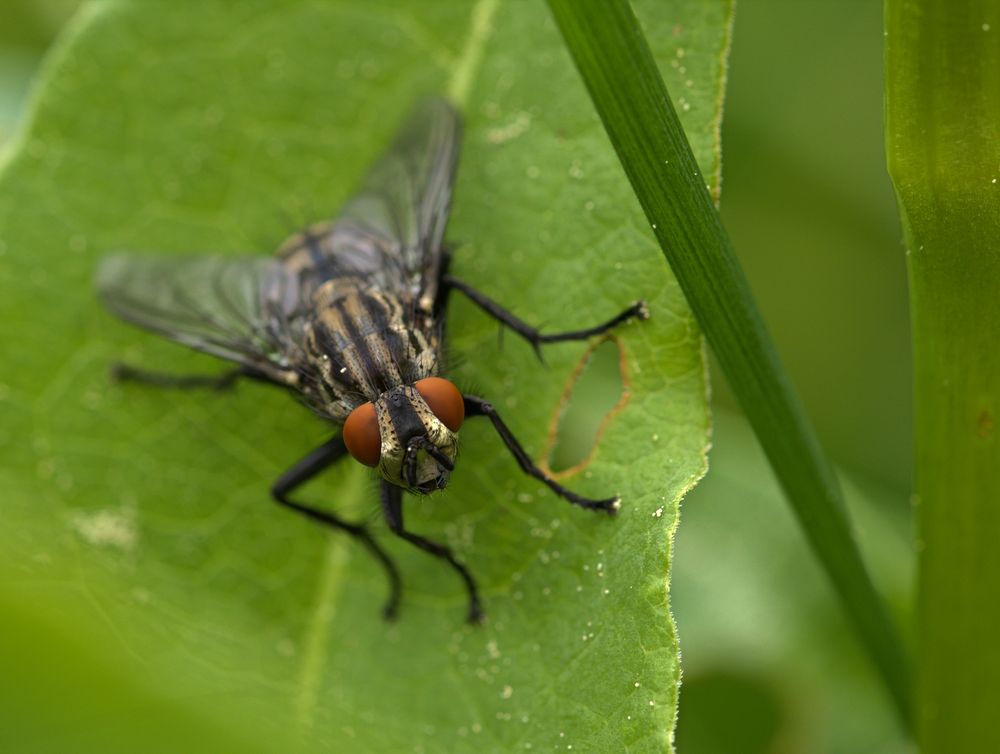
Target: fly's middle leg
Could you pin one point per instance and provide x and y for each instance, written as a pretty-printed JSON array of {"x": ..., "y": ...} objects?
[
  {"x": 475, "y": 406},
  {"x": 320, "y": 459},
  {"x": 638, "y": 310}
]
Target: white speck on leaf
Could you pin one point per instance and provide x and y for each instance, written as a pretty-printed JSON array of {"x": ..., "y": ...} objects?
[
  {"x": 520, "y": 124},
  {"x": 107, "y": 528}
]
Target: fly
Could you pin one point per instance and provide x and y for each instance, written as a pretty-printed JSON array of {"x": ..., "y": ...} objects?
[{"x": 349, "y": 316}]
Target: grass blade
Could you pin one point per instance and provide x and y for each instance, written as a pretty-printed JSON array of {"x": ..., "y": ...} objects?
[
  {"x": 943, "y": 143},
  {"x": 613, "y": 58}
]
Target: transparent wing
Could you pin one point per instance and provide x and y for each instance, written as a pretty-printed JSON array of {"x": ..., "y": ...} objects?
[
  {"x": 390, "y": 233},
  {"x": 244, "y": 309}
]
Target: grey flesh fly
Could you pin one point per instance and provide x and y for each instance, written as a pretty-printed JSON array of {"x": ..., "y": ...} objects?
[{"x": 349, "y": 316}]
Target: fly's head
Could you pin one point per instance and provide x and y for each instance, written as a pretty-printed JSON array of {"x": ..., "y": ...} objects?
[{"x": 409, "y": 433}]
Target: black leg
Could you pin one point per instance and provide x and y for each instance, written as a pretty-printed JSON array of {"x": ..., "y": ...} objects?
[
  {"x": 306, "y": 469},
  {"x": 392, "y": 506},
  {"x": 126, "y": 373},
  {"x": 478, "y": 407},
  {"x": 638, "y": 310}
]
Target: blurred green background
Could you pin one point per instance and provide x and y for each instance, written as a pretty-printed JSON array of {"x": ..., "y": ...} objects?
[
  {"x": 808, "y": 203},
  {"x": 768, "y": 660}
]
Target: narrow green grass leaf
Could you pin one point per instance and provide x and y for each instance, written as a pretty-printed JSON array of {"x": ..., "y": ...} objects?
[
  {"x": 615, "y": 62},
  {"x": 943, "y": 139}
]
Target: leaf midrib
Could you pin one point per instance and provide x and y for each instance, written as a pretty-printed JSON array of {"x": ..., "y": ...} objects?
[{"x": 316, "y": 638}]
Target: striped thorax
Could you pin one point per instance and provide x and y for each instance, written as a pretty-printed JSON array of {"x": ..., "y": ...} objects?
[{"x": 376, "y": 365}]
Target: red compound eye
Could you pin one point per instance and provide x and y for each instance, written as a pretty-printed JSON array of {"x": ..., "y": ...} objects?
[
  {"x": 361, "y": 435},
  {"x": 444, "y": 399}
]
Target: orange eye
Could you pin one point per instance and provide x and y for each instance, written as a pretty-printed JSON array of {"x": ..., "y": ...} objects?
[
  {"x": 361, "y": 435},
  {"x": 444, "y": 400}
]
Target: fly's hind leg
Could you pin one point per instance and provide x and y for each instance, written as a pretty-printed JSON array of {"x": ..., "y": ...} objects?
[
  {"x": 392, "y": 507},
  {"x": 638, "y": 310},
  {"x": 320, "y": 459},
  {"x": 120, "y": 372}
]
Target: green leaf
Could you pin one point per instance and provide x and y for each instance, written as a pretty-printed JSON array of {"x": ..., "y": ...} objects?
[
  {"x": 27, "y": 30},
  {"x": 942, "y": 110},
  {"x": 618, "y": 67},
  {"x": 140, "y": 520}
]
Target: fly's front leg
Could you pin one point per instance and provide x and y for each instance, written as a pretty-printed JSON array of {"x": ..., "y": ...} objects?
[
  {"x": 392, "y": 507},
  {"x": 638, "y": 310},
  {"x": 475, "y": 406},
  {"x": 127, "y": 373},
  {"x": 321, "y": 458}
]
